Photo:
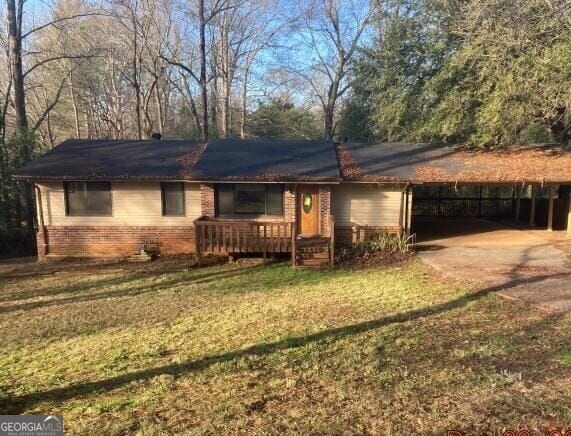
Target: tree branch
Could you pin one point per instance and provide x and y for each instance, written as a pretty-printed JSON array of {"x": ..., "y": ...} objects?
[
  {"x": 59, "y": 20},
  {"x": 56, "y": 58},
  {"x": 50, "y": 107}
]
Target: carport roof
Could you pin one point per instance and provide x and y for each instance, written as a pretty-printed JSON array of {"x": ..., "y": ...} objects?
[{"x": 393, "y": 162}]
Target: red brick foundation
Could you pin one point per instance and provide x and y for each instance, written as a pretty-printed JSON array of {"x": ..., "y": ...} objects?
[
  {"x": 114, "y": 241},
  {"x": 346, "y": 235}
]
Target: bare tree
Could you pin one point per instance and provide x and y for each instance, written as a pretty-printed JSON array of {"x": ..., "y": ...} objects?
[
  {"x": 202, "y": 19},
  {"x": 332, "y": 31}
]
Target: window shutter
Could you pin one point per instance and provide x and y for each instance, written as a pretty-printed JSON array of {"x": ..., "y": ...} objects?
[{"x": 275, "y": 199}]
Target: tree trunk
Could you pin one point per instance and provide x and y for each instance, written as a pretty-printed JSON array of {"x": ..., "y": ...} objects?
[
  {"x": 74, "y": 105},
  {"x": 159, "y": 109},
  {"x": 202, "y": 81},
  {"x": 226, "y": 77},
  {"x": 136, "y": 85},
  {"x": 329, "y": 109},
  {"x": 14, "y": 17},
  {"x": 214, "y": 105},
  {"x": 244, "y": 96}
]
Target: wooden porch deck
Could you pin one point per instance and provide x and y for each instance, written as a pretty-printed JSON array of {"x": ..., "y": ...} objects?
[{"x": 214, "y": 236}]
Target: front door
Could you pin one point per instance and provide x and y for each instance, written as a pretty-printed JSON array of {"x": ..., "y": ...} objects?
[{"x": 308, "y": 209}]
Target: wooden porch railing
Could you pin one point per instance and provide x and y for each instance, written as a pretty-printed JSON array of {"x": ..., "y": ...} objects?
[{"x": 220, "y": 236}]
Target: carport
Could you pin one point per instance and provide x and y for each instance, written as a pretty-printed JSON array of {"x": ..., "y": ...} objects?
[
  {"x": 439, "y": 211},
  {"x": 453, "y": 189},
  {"x": 497, "y": 217}
]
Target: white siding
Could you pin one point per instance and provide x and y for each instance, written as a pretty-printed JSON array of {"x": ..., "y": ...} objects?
[
  {"x": 134, "y": 204},
  {"x": 362, "y": 204}
]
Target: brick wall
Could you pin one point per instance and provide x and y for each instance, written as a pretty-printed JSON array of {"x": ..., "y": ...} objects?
[
  {"x": 207, "y": 199},
  {"x": 346, "y": 235},
  {"x": 289, "y": 203},
  {"x": 325, "y": 208},
  {"x": 115, "y": 241}
]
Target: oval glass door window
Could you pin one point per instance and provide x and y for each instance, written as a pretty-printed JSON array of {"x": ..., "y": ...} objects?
[{"x": 307, "y": 203}]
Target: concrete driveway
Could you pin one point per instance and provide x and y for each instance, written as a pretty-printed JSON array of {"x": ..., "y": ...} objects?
[{"x": 532, "y": 265}]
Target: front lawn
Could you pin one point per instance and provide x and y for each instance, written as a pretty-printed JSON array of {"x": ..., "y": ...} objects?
[{"x": 228, "y": 349}]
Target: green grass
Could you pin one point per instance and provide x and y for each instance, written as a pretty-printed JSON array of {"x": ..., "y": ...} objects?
[{"x": 266, "y": 349}]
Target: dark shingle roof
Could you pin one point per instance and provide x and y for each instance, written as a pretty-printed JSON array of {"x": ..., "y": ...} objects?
[
  {"x": 112, "y": 159},
  {"x": 296, "y": 160},
  {"x": 275, "y": 160},
  {"x": 239, "y": 160},
  {"x": 422, "y": 163}
]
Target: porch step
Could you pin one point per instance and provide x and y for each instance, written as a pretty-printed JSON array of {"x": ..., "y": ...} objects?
[
  {"x": 312, "y": 252},
  {"x": 316, "y": 255},
  {"x": 139, "y": 258},
  {"x": 304, "y": 250},
  {"x": 312, "y": 263}
]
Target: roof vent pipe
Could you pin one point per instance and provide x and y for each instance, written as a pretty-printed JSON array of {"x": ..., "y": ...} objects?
[{"x": 156, "y": 136}]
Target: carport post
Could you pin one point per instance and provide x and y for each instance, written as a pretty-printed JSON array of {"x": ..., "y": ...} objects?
[
  {"x": 569, "y": 217},
  {"x": 550, "y": 210},
  {"x": 532, "y": 211},
  {"x": 518, "y": 204}
]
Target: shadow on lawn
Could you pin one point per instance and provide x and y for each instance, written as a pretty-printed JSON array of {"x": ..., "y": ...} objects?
[
  {"x": 185, "y": 278},
  {"x": 18, "y": 404}
]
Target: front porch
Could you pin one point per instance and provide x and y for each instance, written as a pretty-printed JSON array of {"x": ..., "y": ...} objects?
[
  {"x": 305, "y": 230},
  {"x": 267, "y": 239}
]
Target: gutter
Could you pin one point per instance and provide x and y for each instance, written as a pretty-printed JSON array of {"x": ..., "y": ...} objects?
[
  {"x": 171, "y": 179},
  {"x": 41, "y": 225}
]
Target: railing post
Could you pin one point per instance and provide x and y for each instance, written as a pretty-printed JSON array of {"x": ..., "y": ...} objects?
[
  {"x": 197, "y": 240},
  {"x": 332, "y": 242},
  {"x": 293, "y": 245}
]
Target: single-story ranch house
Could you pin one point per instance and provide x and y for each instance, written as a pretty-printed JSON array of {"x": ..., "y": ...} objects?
[{"x": 110, "y": 197}]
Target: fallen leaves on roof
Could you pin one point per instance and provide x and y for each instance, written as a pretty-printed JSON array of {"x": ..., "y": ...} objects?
[
  {"x": 461, "y": 165},
  {"x": 189, "y": 160},
  {"x": 351, "y": 171},
  {"x": 501, "y": 166}
]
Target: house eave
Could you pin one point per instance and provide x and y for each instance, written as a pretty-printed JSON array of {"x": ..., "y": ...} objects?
[{"x": 289, "y": 180}]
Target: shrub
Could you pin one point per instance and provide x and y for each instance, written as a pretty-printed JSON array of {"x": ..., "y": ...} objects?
[
  {"x": 382, "y": 242},
  {"x": 16, "y": 242}
]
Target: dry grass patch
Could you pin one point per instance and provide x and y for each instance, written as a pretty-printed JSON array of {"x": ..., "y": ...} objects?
[{"x": 267, "y": 349}]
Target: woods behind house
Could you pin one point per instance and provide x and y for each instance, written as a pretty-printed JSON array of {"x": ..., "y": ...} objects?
[{"x": 484, "y": 73}]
